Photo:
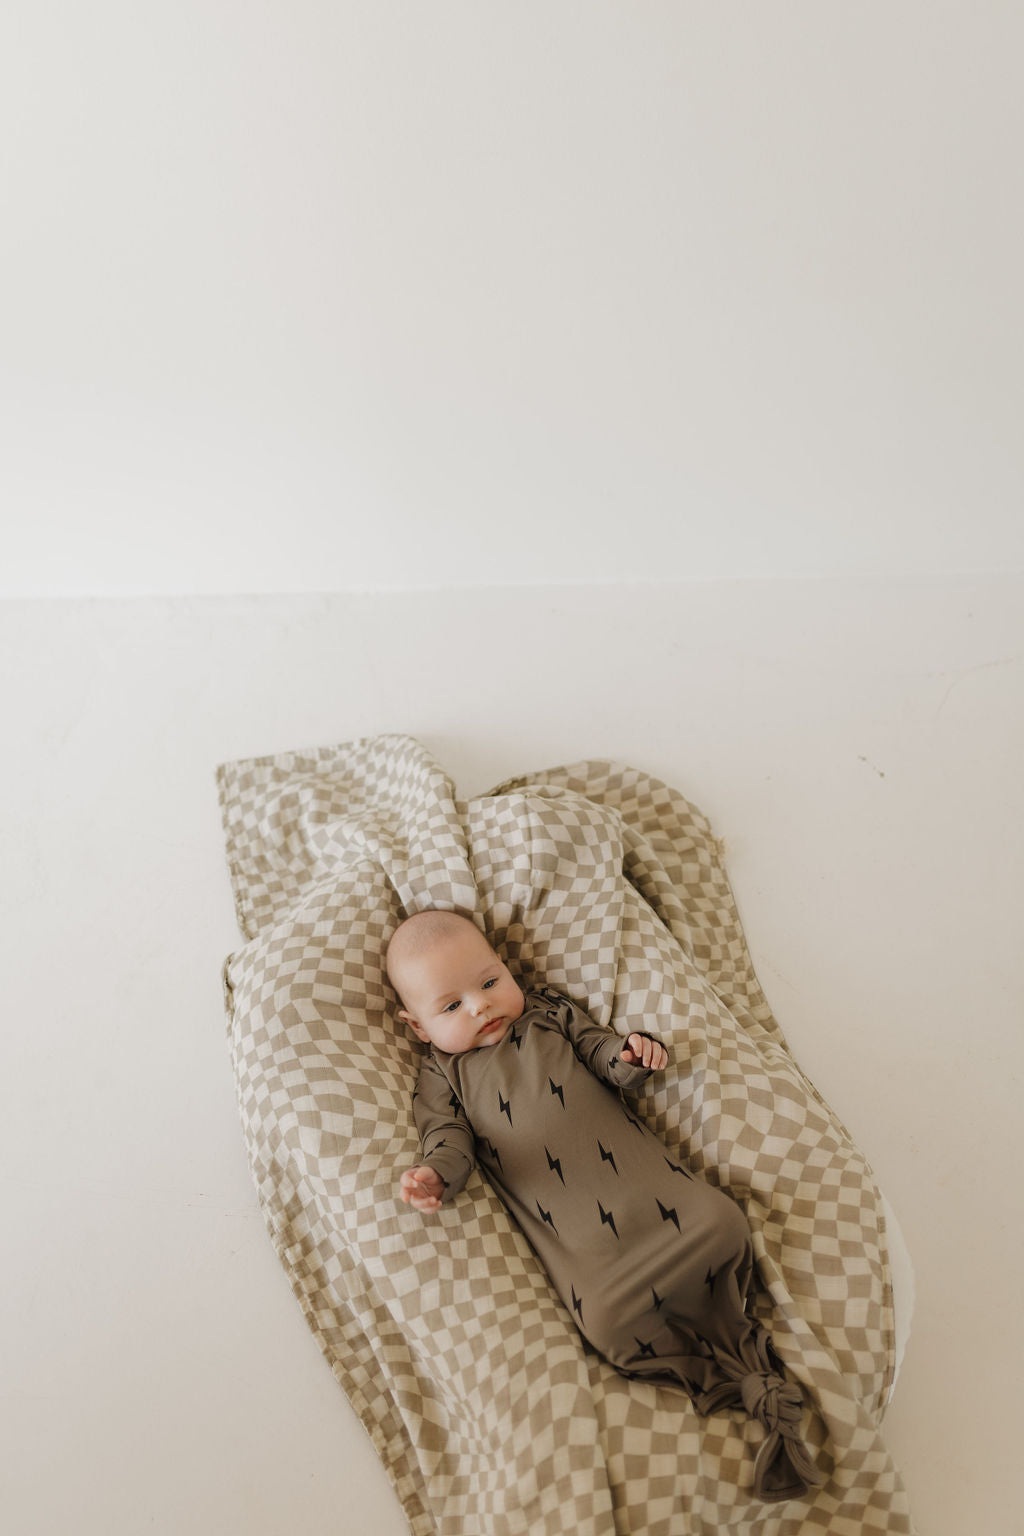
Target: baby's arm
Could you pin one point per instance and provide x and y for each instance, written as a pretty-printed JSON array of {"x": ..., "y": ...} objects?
[
  {"x": 621, "y": 1063},
  {"x": 447, "y": 1143}
]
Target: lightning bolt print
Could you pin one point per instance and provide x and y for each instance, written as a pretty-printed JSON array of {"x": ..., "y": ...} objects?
[
  {"x": 556, "y": 1164},
  {"x": 608, "y": 1219},
  {"x": 577, "y": 1303},
  {"x": 556, "y": 1088},
  {"x": 668, "y": 1213},
  {"x": 607, "y": 1157},
  {"x": 657, "y": 1299},
  {"x": 505, "y": 1106},
  {"x": 678, "y": 1168},
  {"x": 545, "y": 1216}
]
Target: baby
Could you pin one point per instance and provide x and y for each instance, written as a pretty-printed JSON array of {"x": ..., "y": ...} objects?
[{"x": 653, "y": 1264}]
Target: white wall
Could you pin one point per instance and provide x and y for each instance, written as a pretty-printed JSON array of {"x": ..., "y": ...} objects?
[{"x": 322, "y": 296}]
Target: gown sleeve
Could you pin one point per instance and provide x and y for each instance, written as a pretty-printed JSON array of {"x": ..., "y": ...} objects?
[
  {"x": 447, "y": 1142},
  {"x": 598, "y": 1048}
]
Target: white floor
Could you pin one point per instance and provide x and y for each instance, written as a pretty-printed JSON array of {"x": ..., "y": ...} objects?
[{"x": 857, "y": 745}]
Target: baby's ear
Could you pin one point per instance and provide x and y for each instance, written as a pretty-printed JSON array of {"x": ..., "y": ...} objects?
[{"x": 407, "y": 1018}]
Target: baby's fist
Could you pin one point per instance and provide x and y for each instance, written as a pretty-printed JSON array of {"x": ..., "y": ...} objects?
[
  {"x": 422, "y": 1188},
  {"x": 641, "y": 1052}
]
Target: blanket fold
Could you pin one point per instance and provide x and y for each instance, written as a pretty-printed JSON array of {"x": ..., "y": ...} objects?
[{"x": 490, "y": 1413}]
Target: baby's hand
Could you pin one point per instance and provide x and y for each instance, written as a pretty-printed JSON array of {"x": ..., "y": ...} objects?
[
  {"x": 641, "y": 1052},
  {"x": 422, "y": 1188}
]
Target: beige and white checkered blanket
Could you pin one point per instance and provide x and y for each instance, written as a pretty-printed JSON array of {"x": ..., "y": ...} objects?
[{"x": 490, "y": 1413}]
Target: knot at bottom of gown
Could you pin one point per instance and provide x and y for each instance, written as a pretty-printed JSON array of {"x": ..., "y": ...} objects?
[{"x": 783, "y": 1469}]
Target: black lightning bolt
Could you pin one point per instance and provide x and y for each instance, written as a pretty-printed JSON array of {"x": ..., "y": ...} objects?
[
  {"x": 646, "y": 1350},
  {"x": 546, "y": 1216},
  {"x": 709, "y": 1281},
  {"x": 607, "y": 1157},
  {"x": 657, "y": 1299},
  {"x": 517, "y": 1038},
  {"x": 668, "y": 1213},
  {"x": 639, "y": 1127},
  {"x": 695, "y": 1343},
  {"x": 493, "y": 1152},
  {"x": 608, "y": 1217},
  {"x": 577, "y": 1302},
  {"x": 453, "y": 1103},
  {"x": 505, "y": 1107},
  {"x": 557, "y": 1088},
  {"x": 678, "y": 1168},
  {"x": 556, "y": 1164}
]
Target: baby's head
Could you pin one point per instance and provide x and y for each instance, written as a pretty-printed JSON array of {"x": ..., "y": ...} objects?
[{"x": 458, "y": 994}]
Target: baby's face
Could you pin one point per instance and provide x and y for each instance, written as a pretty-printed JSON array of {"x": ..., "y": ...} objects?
[{"x": 460, "y": 996}]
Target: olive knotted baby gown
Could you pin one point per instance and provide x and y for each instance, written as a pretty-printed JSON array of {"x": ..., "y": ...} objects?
[{"x": 653, "y": 1264}]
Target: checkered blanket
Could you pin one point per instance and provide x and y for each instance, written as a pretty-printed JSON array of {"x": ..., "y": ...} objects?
[{"x": 491, "y": 1414}]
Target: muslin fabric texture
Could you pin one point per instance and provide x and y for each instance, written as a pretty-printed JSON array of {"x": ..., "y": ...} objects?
[{"x": 491, "y": 1413}]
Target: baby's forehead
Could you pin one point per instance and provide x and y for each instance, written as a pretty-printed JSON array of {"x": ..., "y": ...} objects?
[
  {"x": 453, "y": 954},
  {"x": 447, "y": 962},
  {"x": 430, "y": 945}
]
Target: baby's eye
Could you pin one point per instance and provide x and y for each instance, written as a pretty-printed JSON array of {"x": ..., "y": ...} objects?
[
  {"x": 492, "y": 983},
  {"x": 450, "y": 1007}
]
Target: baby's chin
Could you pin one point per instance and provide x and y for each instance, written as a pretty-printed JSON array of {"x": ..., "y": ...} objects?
[{"x": 492, "y": 1036}]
